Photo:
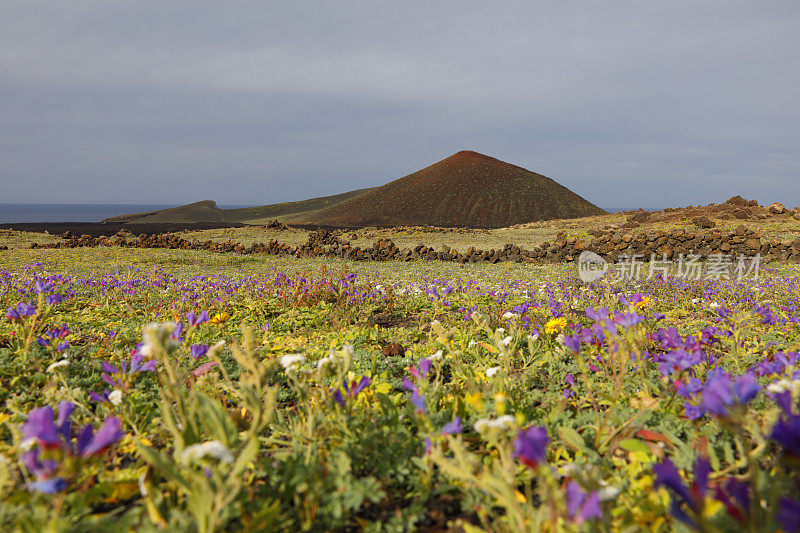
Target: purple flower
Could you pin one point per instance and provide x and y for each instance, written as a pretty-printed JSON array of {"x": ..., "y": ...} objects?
[
  {"x": 692, "y": 411},
  {"x": 39, "y": 425},
  {"x": 22, "y": 310},
  {"x": 677, "y": 361},
  {"x": 580, "y": 505},
  {"x": 45, "y": 471},
  {"x": 573, "y": 342},
  {"x": 350, "y": 391},
  {"x": 787, "y": 430},
  {"x": 627, "y": 320},
  {"x": 109, "y": 433},
  {"x": 48, "y": 486},
  {"x": 198, "y": 350},
  {"x": 721, "y": 392},
  {"x": 408, "y": 384},
  {"x": 424, "y": 368},
  {"x": 99, "y": 398},
  {"x": 599, "y": 314},
  {"x": 418, "y": 401},
  {"x": 694, "y": 496},
  {"x": 195, "y": 321},
  {"x": 454, "y": 427},
  {"x": 735, "y": 496},
  {"x": 41, "y": 286},
  {"x": 530, "y": 446},
  {"x": 52, "y": 299},
  {"x": 116, "y": 376},
  {"x": 789, "y": 514},
  {"x": 48, "y": 434},
  {"x": 53, "y": 334}
]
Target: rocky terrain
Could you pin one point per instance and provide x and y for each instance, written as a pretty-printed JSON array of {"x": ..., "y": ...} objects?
[{"x": 612, "y": 245}]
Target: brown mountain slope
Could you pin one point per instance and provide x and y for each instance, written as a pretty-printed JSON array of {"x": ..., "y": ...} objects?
[
  {"x": 247, "y": 214},
  {"x": 467, "y": 189},
  {"x": 204, "y": 211}
]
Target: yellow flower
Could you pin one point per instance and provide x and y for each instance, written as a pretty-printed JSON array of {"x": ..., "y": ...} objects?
[
  {"x": 475, "y": 400},
  {"x": 555, "y": 324},
  {"x": 500, "y": 402},
  {"x": 644, "y": 302},
  {"x": 220, "y": 318}
]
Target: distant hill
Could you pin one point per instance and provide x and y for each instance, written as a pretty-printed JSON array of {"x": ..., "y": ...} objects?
[
  {"x": 467, "y": 189},
  {"x": 205, "y": 211},
  {"x": 289, "y": 208}
]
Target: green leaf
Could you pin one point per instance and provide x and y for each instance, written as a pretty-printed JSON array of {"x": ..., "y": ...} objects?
[
  {"x": 636, "y": 446},
  {"x": 246, "y": 456},
  {"x": 164, "y": 465},
  {"x": 572, "y": 438},
  {"x": 215, "y": 420}
]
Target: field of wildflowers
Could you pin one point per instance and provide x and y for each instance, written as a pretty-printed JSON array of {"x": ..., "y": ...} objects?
[{"x": 304, "y": 395}]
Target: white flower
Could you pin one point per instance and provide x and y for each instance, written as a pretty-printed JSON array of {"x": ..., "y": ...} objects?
[
  {"x": 533, "y": 337},
  {"x": 471, "y": 344},
  {"x": 213, "y": 448},
  {"x": 507, "y": 340},
  {"x": 608, "y": 493},
  {"x": 490, "y": 372},
  {"x": 436, "y": 356},
  {"x": 560, "y": 338},
  {"x": 290, "y": 361},
  {"x": 215, "y": 348},
  {"x": 324, "y": 362},
  {"x": 500, "y": 330},
  {"x": 115, "y": 397},
  {"x": 509, "y": 314},
  {"x": 571, "y": 469},
  {"x": 695, "y": 300},
  {"x": 783, "y": 385},
  {"x": 435, "y": 323},
  {"x": 63, "y": 362},
  {"x": 155, "y": 335},
  {"x": 486, "y": 424},
  {"x": 713, "y": 305}
]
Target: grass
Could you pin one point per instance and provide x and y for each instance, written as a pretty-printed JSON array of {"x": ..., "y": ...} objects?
[{"x": 475, "y": 397}]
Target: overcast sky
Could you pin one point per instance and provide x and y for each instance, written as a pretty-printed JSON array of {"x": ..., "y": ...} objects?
[{"x": 628, "y": 103}]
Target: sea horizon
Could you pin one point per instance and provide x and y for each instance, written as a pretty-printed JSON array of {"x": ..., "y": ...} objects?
[{"x": 25, "y": 213}]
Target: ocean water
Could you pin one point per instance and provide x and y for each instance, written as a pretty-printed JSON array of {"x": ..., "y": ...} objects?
[{"x": 10, "y": 213}]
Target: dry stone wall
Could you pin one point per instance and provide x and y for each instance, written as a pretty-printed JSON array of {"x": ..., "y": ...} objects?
[{"x": 610, "y": 245}]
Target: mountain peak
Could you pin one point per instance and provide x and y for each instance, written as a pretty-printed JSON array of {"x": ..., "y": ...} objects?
[{"x": 466, "y": 189}]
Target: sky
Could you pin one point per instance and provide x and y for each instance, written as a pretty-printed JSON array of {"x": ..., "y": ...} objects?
[{"x": 628, "y": 103}]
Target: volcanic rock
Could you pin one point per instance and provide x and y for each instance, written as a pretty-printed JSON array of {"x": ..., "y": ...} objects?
[
  {"x": 777, "y": 208},
  {"x": 703, "y": 222}
]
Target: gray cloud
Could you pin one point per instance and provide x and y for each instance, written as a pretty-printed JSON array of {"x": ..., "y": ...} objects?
[{"x": 628, "y": 103}]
